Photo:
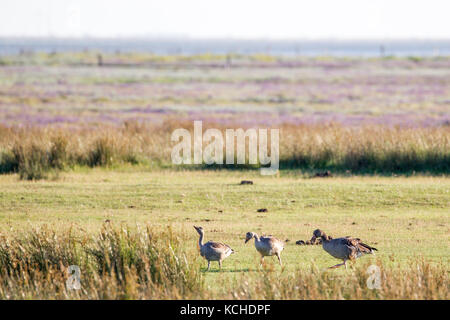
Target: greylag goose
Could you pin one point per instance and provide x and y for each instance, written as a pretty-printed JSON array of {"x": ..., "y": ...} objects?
[
  {"x": 213, "y": 251},
  {"x": 346, "y": 248},
  {"x": 266, "y": 245}
]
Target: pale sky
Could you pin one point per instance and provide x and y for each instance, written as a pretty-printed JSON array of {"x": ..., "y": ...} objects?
[{"x": 312, "y": 19}]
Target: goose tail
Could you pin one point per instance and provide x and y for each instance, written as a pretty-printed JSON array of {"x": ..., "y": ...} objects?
[{"x": 369, "y": 248}]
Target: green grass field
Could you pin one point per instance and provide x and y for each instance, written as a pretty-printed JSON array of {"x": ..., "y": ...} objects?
[
  {"x": 404, "y": 217},
  {"x": 86, "y": 176}
]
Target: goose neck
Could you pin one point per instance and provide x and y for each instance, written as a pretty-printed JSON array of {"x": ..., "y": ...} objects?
[
  {"x": 325, "y": 238},
  {"x": 200, "y": 240}
]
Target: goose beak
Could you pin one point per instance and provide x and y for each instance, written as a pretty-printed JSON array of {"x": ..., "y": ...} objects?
[{"x": 246, "y": 240}]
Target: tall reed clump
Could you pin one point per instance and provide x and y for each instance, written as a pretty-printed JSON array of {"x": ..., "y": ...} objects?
[
  {"x": 116, "y": 264},
  {"x": 372, "y": 149},
  {"x": 35, "y": 152},
  {"x": 32, "y": 153},
  {"x": 34, "y": 160}
]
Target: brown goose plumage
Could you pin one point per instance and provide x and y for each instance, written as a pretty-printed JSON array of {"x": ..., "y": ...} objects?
[
  {"x": 346, "y": 248},
  {"x": 266, "y": 245},
  {"x": 211, "y": 250}
]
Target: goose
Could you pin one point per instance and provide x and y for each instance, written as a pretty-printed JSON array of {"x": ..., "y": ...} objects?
[
  {"x": 213, "y": 251},
  {"x": 346, "y": 248},
  {"x": 266, "y": 245}
]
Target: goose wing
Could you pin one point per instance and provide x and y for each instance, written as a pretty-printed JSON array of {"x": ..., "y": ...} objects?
[
  {"x": 219, "y": 246},
  {"x": 357, "y": 244},
  {"x": 272, "y": 241}
]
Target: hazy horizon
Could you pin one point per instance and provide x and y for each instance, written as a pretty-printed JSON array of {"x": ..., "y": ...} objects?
[
  {"x": 223, "y": 38},
  {"x": 183, "y": 45}
]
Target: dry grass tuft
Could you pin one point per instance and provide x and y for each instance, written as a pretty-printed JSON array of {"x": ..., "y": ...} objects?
[{"x": 115, "y": 264}]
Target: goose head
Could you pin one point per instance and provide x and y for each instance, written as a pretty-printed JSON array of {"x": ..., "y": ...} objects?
[
  {"x": 318, "y": 234},
  {"x": 199, "y": 230},
  {"x": 249, "y": 236}
]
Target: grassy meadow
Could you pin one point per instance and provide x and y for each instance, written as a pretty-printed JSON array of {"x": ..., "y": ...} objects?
[
  {"x": 86, "y": 177},
  {"x": 405, "y": 218}
]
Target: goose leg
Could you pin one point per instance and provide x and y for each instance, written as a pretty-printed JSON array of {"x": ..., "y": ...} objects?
[
  {"x": 279, "y": 259},
  {"x": 338, "y": 265},
  {"x": 209, "y": 263},
  {"x": 262, "y": 261},
  {"x": 220, "y": 264}
]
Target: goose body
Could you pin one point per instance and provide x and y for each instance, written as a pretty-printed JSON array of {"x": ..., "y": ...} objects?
[
  {"x": 266, "y": 245},
  {"x": 346, "y": 248},
  {"x": 211, "y": 250},
  {"x": 215, "y": 251}
]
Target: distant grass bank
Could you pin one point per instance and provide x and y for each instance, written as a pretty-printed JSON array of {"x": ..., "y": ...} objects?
[{"x": 37, "y": 152}]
